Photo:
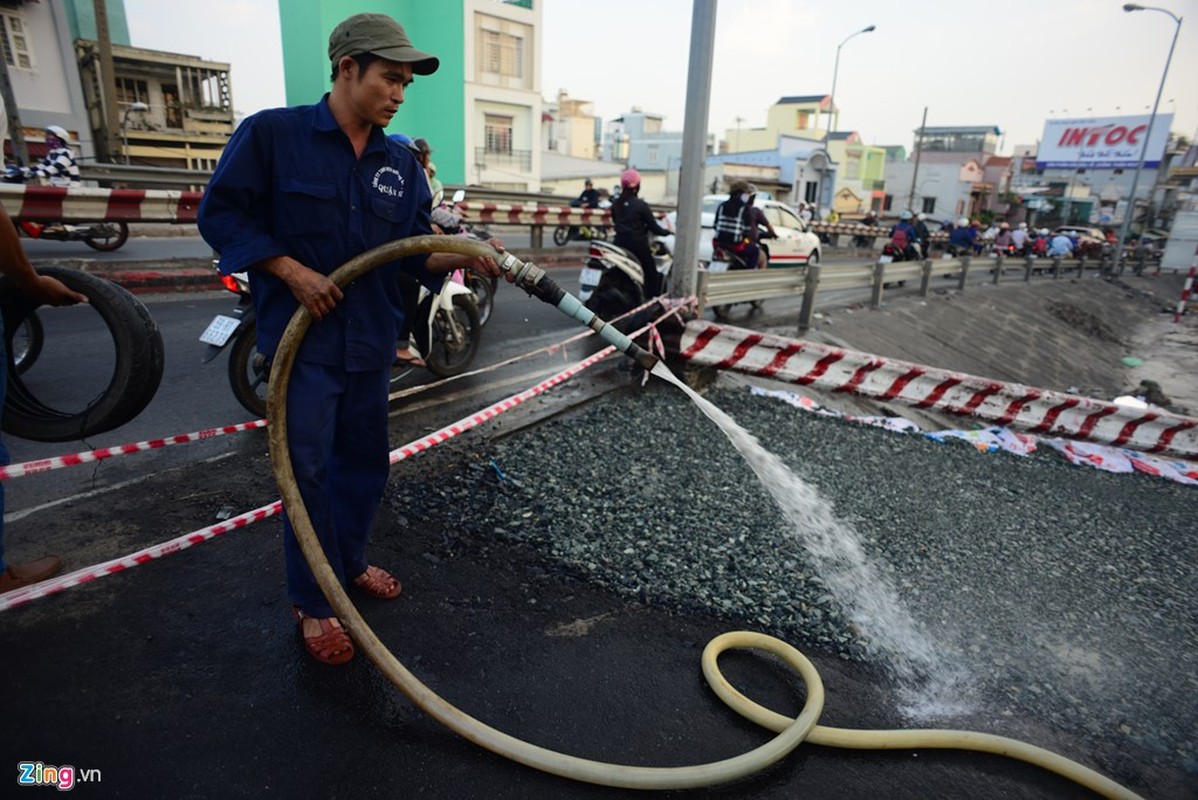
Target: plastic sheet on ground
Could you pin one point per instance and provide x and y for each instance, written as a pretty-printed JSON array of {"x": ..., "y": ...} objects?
[{"x": 993, "y": 439}]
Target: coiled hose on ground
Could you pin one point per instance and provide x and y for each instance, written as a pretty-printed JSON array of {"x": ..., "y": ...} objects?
[{"x": 791, "y": 732}]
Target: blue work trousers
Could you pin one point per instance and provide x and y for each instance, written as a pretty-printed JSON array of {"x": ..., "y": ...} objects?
[{"x": 337, "y": 436}]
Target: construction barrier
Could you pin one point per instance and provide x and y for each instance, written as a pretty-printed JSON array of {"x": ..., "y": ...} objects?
[
  {"x": 1039, "y": 411},
  {"x": 62, "y": 204}
]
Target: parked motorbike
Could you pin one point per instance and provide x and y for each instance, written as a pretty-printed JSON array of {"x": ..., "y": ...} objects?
[
  {"x": 447, "y": 330},
  {"x": 451, "y": 222},
  {"x": 612, "y": 281}
]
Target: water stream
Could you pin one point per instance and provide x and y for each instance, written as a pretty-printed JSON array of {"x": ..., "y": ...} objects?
[{"x": 928, "y": 686}]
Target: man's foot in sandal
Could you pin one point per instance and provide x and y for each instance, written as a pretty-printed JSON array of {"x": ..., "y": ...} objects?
[
  {"x": 377, "y": 582},
  {"x": 325, "y": 639},
  {"x": 405, "y": 357}
]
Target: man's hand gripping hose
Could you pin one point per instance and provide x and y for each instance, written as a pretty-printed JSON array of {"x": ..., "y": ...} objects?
[{"x": 791, "y": 732}]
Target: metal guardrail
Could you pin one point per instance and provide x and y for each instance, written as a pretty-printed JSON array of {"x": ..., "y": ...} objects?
[
  {"x": 744, "y": 286},
  {"x": 139, "y": 176},
  {"x": 60, "y": 204}
]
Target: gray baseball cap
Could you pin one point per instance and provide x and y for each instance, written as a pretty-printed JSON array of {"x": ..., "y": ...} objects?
[{"x": 382, "y": 36}]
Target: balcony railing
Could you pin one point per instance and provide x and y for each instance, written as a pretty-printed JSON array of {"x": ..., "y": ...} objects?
[{"x": 521, "y": 159}]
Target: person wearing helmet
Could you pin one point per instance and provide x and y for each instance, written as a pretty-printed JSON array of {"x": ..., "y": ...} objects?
[
  {"x": 961, "y": 240},
  {"x": 923, "y": 236},
  {"x": 58, "y": 168},
  {"x": 1003, "y": 242},
  {"x": 1020, "y": 239},
  {"x": 902, "y": 236},
  {"x": 734, "y": 224},
  {"x": 633, "y": 221}
]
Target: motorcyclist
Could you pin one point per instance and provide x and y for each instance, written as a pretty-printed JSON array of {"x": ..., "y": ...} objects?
[
  {"x": 923, "y": 236},
  {"x": 870, "y": 219},
  {"x": 634, "y": 221},
  {"x": 59, "y": 167},
  {"x": 589, "y": 198},
  {"x": 902, "y": 236},
  {"x": 960, "y": 240},
  {"x": 1019, "y": 238},
  {"x": 1003, "y": 241},
  {"x": 735, "y": 224}
]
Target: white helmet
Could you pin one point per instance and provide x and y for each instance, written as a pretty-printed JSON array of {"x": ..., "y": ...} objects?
[
  {"x": 963, "y": 222},
  {"x": 922, "y": 216},
  {"x": 1023, "y": 225},
  {"x": 59, "y": 131},
  {"x": 1044, "y": 231}
]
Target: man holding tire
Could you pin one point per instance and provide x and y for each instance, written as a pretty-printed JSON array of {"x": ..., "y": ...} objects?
[
  {"x": 16, "y": 267},
  {"x": 298, "y": 192}
]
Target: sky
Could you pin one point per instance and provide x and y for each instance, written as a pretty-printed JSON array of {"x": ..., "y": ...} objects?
[{"x": 1012, "y": 64}]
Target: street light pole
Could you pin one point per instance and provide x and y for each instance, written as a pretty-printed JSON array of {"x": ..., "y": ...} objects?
[
  {"x": 831, "y": 110},
  {"x": 1131, "y": 200},
  {"x": 836, "y": 69}
]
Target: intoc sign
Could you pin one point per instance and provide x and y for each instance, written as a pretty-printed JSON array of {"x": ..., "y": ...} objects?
[{"x": 1103, "y": 142}]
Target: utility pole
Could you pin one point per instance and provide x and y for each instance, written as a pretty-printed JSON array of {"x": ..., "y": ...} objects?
[
  {"x": 110, "y": 114},
  {"x": 19, "y": 148},
  {"x": 918, "y": 152},
  {"x": 685, "y": 274}
]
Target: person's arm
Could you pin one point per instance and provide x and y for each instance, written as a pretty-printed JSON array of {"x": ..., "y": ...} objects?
[
  {"x": 232, "y": 219},
  {"x": 16, "y": 267},
  {"x": 651, "y": 222},
  {"x": 59, "y": 165}
]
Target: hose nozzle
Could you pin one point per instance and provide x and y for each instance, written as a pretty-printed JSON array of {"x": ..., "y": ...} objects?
[{"x": 533, "y": 280}]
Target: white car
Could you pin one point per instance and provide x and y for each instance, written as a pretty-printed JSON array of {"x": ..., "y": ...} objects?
[{"x": 796, "y": 245}]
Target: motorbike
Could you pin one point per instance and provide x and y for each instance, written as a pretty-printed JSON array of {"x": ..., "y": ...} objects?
[
  {"x": 612, "y": 281},
  {"x": 447, "y": 330},
  {"x": 452, "y": 223},
  {"x": 724, "y": 259},
  {"x": 104, "y": 236},
  {"x": 564, "y": 234},
  {"x": 892, "y": 253}
]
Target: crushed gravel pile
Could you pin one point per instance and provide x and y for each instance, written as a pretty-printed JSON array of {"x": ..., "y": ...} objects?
[{"x": 1045, "y": 589}]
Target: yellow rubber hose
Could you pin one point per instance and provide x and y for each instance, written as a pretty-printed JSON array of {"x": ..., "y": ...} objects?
[{"x": 790, "y": 732}]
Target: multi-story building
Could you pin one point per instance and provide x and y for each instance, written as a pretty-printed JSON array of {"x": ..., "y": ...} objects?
[
  {"x": 953, "y": 171},
  {"x": 174, "y": 110},
  {"x": 481, "y": 111},
  {"x": 840, "y": 171},
  {"x": 570, "y": 128},
  {"x": 156, "y": 109}
]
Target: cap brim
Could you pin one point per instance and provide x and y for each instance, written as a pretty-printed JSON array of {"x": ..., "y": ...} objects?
[{"x": 422, "y": 63}]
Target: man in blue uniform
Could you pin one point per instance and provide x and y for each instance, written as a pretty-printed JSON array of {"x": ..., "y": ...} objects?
[{"x": 298, "y": 192}]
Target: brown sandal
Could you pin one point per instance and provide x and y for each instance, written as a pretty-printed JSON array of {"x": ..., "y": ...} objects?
[
  {"x": 377, "y": 582},
  {"x": 332, "y": 646}
]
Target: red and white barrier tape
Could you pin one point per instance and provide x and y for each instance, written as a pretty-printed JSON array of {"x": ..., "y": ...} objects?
[
  {"x": 1185, "y": 292},
  {"x": 19, "y": 597},
  {"x": 1036, "y": 410},
  {"x": 74, "y": 459},
  {"x": 25, "y": 594}
]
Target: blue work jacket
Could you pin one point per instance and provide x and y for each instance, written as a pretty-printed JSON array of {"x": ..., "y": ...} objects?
[{"x": 289, "y": 184}]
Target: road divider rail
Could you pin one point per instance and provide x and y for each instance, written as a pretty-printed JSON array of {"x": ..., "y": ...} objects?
[
  {"x": 75, "y": 204},
  {"x": 1036, "y": 410}
]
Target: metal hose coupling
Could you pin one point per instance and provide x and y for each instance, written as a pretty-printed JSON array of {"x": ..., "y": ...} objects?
[{"x": 533, "y": 280}]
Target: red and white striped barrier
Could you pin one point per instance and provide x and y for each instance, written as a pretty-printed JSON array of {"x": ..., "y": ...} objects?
[
  {"x": 72, "y": 204},
  {"x": 1036, "y": 410},
  {"x": 1185, "y": 292},
  {"x": 74, "y": 459},
  {"x": 510, "y": 214}
]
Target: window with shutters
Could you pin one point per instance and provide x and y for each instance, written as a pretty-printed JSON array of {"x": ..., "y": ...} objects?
[{"x": 15, "y": 41}]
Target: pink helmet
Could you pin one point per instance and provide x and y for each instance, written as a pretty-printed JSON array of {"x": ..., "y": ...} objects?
[{"x": 630, "y": 178}]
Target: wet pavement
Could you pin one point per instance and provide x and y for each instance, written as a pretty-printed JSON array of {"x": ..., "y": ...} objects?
[{"x": 185, "y": 677}]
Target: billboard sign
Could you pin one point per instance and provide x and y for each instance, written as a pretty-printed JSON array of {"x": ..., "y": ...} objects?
[{"x": 1103, "y": 142}]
